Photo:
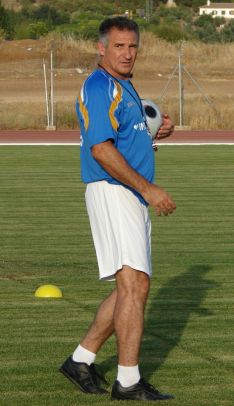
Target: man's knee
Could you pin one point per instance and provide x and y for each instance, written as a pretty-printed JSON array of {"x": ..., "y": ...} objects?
[{"x": 133, "y": 284}]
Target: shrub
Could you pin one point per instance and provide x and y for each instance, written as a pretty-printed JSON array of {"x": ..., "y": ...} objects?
[
  {"x": 207, "y": 34},
  {"x": 175, "y": 14},
  {"x": 7, "y": 22},
  {"x": 204, "y": 20},
  {"x": 2, "y": 34},
  {"x": 218, "y": 21},
  {"x": 37, "y": 30},
  {"x": 227, "y": 34},
  {"x": 21, "y": 31},
  {"x": 170, "y": 33},
  {"x": 89, "y": 30}
]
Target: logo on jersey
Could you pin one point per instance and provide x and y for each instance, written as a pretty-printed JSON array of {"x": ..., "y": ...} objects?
[{"x": 140, "y": 126}]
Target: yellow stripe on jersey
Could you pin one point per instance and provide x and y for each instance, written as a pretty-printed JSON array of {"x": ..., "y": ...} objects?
[
  {"x": 114, "y": 106},
  {"x": 84, "y": 113}
]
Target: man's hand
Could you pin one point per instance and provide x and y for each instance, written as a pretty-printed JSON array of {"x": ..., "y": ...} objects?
[
  {"x": 166, "y": 128},
  {"x": 159, "y": 199}
]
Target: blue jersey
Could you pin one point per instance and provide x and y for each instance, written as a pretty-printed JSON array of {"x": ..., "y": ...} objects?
[{"x": 110, "y": 109}]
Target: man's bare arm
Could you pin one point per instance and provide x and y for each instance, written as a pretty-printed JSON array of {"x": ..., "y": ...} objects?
[{"x": 114, "y": 163}]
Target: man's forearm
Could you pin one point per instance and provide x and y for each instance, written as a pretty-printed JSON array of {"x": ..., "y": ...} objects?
[{"x": 115, "y": 164}]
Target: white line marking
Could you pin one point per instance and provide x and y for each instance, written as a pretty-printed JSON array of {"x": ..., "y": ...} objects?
[
  {"x": 77, "y": 143},
  {"x": 38, "y": 143}
]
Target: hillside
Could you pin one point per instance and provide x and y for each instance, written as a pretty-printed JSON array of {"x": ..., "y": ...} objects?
[
  {"x": 95, "y": 5},
  {"x": 22, "y": 19}
]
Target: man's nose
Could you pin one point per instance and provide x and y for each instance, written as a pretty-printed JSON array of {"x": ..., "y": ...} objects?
[{"x": 127, "y": 53}]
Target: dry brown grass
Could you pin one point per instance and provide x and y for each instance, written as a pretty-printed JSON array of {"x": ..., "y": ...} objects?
[
  {"x": 197, "y": 114},
  {"x": 205, "y": 60},
  {"x": 25, "y": 116},
  {"x": 29, "y": 116},
  {"x": 72, "y": 52},
  {"x": 155, "y": 55},
  {"x": 21, "y": 67},
  {"x": 24, "y": 50}
]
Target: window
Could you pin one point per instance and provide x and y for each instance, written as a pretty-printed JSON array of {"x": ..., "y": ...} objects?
[
  {"x": 231, "y": 12},
  {"x": 223, "y": 12}
]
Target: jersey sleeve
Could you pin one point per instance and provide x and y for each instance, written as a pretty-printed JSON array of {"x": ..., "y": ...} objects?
[{"x": 99, "y": 105}]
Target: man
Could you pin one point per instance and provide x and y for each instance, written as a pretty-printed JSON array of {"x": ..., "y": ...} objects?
[{"x": 117, "y": 163}]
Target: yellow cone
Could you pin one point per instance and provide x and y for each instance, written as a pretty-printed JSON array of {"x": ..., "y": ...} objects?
[{"x": 48, "y": 291}]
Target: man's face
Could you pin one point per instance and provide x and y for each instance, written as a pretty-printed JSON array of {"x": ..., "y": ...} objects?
[{"x": 119, "y": 55}]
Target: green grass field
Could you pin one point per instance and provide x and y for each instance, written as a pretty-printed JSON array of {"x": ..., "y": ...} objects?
[{"x": 45, "y": 238}]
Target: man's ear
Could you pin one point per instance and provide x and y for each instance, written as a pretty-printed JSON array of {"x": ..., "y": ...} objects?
[{"x": 101, "y": 48}]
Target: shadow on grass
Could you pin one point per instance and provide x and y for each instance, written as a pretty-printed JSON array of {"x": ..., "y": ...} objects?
[
  {"x": 169, "y": 313},
  {"x": 167, "y": 317}
]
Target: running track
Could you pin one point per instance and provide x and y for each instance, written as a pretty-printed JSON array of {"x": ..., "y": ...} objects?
[{"x": 72, "y": 138}]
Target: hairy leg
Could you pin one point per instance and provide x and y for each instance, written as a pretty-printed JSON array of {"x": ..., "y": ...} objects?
[
  {"x": 102, "y": 326},
  {"x": 123, "y": 312},
  {"x": 132, "y": 293}
]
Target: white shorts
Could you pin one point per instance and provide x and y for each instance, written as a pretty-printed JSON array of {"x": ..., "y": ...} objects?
[{"x": 121, "y": 229}]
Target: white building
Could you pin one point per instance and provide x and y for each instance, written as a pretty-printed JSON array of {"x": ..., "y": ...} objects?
[{"x": 225, "y": 10}]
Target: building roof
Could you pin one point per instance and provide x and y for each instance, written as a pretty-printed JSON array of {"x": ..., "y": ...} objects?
[{"x": 219, "y": 5}]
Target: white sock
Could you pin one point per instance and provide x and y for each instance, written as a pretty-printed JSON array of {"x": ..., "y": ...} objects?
[
  {"x": 128, "y": 376},
  {"x": 82, "y": 355}
]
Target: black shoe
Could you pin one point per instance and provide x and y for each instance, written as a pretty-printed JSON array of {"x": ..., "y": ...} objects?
[
  {"x": 82, "y": 375},
  {"x": 140, "y": 391}
]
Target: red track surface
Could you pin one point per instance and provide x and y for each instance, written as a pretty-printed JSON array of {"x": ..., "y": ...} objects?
[{"x": 72, "y": 137}]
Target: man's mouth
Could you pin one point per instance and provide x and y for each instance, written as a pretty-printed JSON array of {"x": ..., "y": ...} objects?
[{"x": 126, "y": 63}]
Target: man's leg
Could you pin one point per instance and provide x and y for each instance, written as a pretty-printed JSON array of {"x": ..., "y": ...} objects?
[
  {"x": 132, "y": 292},
  {"x": 80, "y": 368},
  {"x": 102, "y": 326},
  {"x": 122, "y": 311}
]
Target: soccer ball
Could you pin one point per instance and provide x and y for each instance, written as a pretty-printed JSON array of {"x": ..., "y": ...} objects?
[{"x": 153, "y": 116}]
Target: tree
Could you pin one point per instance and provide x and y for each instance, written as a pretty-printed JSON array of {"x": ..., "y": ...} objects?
[
  {"x": 170, "y": 33},
  {"x": 227, "y": 34},
  {"x": 207, "y": 33},
  {"x": 218, "y": 21},
  {"x": 7, "y": 22},
  {"x": 3, "y": 16},
  {"x": 2, "y": 34},
  {"x": 37, "y": 30},
  {"x": 204, "y": 20},
  {"x": 50, "y": 14}
]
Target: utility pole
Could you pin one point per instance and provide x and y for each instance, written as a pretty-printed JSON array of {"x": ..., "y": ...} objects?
[
  {"x": 181, "y": 84},
  {"x": 181, "y": 70},
  {"x": 148, "y": 9},
  {"x": 52, "y": 89},
  {"x": 117, "y": 6},
  {"x": 49, "y": 94}
]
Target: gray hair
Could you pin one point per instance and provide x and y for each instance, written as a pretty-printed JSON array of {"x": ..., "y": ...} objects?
[{"x": 119, "y": 22}]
